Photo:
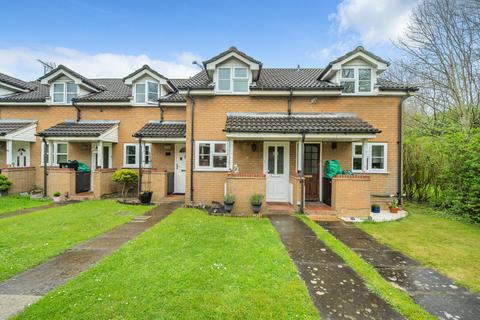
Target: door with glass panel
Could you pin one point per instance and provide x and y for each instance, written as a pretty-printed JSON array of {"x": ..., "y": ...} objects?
[{"x": 276, "y": 157}]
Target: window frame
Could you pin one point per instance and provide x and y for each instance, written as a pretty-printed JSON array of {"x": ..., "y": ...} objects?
[
  {"x": 52, "y": 154},
  {"x": 212, "y": 154},
  {"x": 356, "y": 80},
  {"x": 145, "y": 93},
  {"x": 65, "y": 92},
  {"x": 369, "y": 157},
  {"x": 232, "y": 79},
  {"x": 135, "y": 165}
]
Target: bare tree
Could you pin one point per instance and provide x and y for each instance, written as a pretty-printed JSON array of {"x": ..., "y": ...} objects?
[{"x": 441, "y": 54}]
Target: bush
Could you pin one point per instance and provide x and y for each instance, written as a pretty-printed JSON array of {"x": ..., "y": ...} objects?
[
  {"x": 57, "y": 194},
  {"x": 5, "y": 184},
  {"x": 229, "y": 198},
  {"x": 126, "y": 177},
  {"x": 256, "y": 199}
]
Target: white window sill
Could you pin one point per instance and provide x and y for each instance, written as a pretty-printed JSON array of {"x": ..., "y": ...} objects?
[
  {"x": 230, "y": 93},
  {"x": 371, "y": 172},
  {"x": 211, "y": 170}
]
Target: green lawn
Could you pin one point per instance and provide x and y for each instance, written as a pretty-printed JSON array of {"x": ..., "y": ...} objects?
[
  {"x": 29, "y": 239},
  {"x": 189, "y": 266},
  {"x": 14, "y": 203},
  {"x": 451, "y": 247},
  {"x": 398, "y": 299}
]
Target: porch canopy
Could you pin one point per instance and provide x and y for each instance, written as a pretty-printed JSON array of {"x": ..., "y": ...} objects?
[
  {"x": 283, "y": 126},
  {"x": 83, "y": 131},
  {"x": 162, "y": 131},
  {"x": 16, "y": 130}
]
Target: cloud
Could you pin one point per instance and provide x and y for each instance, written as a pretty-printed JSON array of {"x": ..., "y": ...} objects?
[
  {"x": 374, "y": 22},
  {"x": 22, "y": 62},
  {"x": 325, "y": 55}
]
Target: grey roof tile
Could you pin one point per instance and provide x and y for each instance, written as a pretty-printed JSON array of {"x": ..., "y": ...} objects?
[
  {"x": 384, "y": 84},
  {"x": 165, "y": 129},
  {"x": 115, "y": 91},
  {"x": 173, "y": 97},
  {"x": 38, "y": 94},
  {"x": 323, "y": 122},
  {"x": 11, "y": 125},
  {"x": 86, "y": 128},
  {"x": 76, "y": 74},
  {"x": 16, "y": 82},
  {"x": 229, "y": 50}
]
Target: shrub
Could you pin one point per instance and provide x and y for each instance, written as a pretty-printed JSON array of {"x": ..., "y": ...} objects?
[
  {"x": 256, "y": 199},
  {"x": 5, "y": 184},
  {"x": 57, "y": 194},
  {"x": 126, "y": 177},
  {"x": 229, "y": 198}
]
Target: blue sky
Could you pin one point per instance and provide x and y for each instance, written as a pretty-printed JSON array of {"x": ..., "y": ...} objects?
[{"x": 111, "y": 38}]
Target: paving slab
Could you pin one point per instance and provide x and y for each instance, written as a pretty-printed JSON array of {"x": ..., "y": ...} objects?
[
  {"x": 335, "y": 289},
  {"x": 19, "y": 291},
  {"x": 435, "y": 292}
]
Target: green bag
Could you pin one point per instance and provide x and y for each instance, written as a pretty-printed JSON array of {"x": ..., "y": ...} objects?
[
  {"x": 332, "y": 168},
  {"x": 82, "y": 167}
]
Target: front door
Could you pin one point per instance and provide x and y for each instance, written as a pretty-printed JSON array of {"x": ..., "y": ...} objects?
[
  {"x": 276, "y": 169},
  {"x": 21, "y": 154},
  {"x": 180, "y": 168},
  {"x": 312, "y": 172}
]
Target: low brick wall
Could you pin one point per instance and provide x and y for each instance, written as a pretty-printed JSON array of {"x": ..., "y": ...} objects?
[
  {"x": 23, "y": 179},
  {"x": 156, "y": 181},
  {"x": 295, "y": 183},
  {"x": 351, "y": 195},
  {"x": 243, "y": 186},
  {"x": 61, "y": 180},
  {"x": 103, "y": 184}
]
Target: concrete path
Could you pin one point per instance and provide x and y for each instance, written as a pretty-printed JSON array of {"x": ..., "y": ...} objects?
[
  {"x": 336, "y": 290},
  {"x": 27, "y": 287},
  {"x": 433, "y": 291},
  {"x": 34, "y": 209}
]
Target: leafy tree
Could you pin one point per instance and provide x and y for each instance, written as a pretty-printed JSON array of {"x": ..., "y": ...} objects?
[
  {"x": 5, "y": 184},
  {"x": 126, "y": 177}
]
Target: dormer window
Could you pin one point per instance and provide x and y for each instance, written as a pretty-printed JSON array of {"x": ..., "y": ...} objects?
[
  {"x": 147, "y": 92},
  {"x": 232, "y": 79},
  {"x": 356, "y": 80},
  {"x": 64, "y": 92}
]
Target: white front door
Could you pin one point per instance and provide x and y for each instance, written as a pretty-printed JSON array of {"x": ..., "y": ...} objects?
[
  {"x": 180, "y": 168},
  {"x": 276, "y": 159},
  {"x": 21, "y": 153}
]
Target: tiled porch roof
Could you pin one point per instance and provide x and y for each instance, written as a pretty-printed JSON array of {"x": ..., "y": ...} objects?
[
  {"x": 85, "y": 128},
  {"x": 165, "y": 129},
  {"x": 11, "y": 125},
  {"x": 323, "y": 122}
]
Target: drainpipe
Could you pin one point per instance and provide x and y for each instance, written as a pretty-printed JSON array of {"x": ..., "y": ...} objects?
[
  {"x": 290, "y": 101},
  {"x": 45, "y": 165},
  {"x": 302, "y": 175},
  {"x": 79, "y": 112},
  {"x": 162, "y": 111},
  {"x": 400, "y": 147},
  {"x": 140, "y": 166},
  {"x": 192, "y": 142}
]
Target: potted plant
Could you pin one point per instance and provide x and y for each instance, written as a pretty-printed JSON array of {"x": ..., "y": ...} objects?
[
  {"x": 375, "y": 208},
  {"x": 393, "y": 205},
  {"x": 5, "y": 184},
  {"x": 56, "y": 197},
  {"x": 146, "y": 197},
  {"x": 228, "y": 202},
  {"x": 256, "y": 202}
]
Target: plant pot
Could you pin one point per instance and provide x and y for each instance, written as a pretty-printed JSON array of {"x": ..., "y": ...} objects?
[
  {"x": 146, "y": 197},
  {"x": 57, "y": 199},
  {"x": 393, "y": 210},
  {"x": 228, "y": 206},
  {"x": 256, "y": 208},
  {"x": 375, "y": 209}
]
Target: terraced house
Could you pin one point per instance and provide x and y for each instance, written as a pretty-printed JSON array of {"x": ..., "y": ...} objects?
[{"x": 235, "y": 127}]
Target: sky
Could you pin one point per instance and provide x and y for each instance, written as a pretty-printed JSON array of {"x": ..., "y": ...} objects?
[{"x": 103, "y": 38}]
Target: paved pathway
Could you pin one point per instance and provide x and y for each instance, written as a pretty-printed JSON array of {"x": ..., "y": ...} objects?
[
  {"x": 27, "y": 287},
  {"x": 433, "y": 291},
  {"x": 34, "y": 209},
  {"x": 336, "y": 290}
]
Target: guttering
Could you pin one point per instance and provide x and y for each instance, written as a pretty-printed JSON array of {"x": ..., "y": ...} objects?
[
  {"x": 192, "y": 143},
  {"x": 290, "y": 102},
  {"x": 79, "y": 112}
]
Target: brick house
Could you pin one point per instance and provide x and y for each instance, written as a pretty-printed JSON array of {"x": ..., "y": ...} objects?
[{"x": 235, "y": 127}]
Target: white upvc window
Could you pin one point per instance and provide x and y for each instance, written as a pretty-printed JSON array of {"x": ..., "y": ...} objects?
[
  {"x": 376, "y": 157},
  {"x": 356, "y": 80},
  {"x": 153, "y": 91},
  {"x": 64, "y": 92},
  {"x": 140, "y": 93},
  {"x": 147, "y": 92},
  {"x": 58, "y": 154},
  {"x": 131, "y": 155},
  {"x": 212, "y": 155},
  {"x": 233, "y": 79}
]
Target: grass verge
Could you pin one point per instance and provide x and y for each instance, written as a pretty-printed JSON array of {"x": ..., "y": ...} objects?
[
  {"x": 14, "y": 203},
  {"x": 189, "y": 266},
  {"x": 398, "y": 299},
  {"x": 27, "y": 240},
  {"x": 426, "y": 235}
]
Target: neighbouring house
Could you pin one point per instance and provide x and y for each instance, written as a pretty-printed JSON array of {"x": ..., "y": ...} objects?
[{"x": 235, "y": 127}]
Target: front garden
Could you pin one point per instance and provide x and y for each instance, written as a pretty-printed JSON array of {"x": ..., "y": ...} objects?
[{"x": 14, "y": 203}]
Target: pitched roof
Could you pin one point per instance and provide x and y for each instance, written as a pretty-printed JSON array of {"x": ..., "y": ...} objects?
[
  {"x": 384, "y": 84},
  {"x": 145, "y": 67},
  {"x": 11, "y": 125},
  {"x": 38, "y": 94},
  {"x": 228, "y": 51},
  {"x": 85, "y": 128},
  {"x": 75, "y": 74},
  {"x": 323, "y": 122},
  {"x": 165, "y": 129},
  {"x": 15, "y": 82},
  {"x": 115, "y": 91}
]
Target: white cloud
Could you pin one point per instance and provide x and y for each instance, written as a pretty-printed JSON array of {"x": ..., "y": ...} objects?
[
  {"x": 375, "y": 22},
  {"x": 22, "y": 62},
  {"x": 325, "y": 55}
]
